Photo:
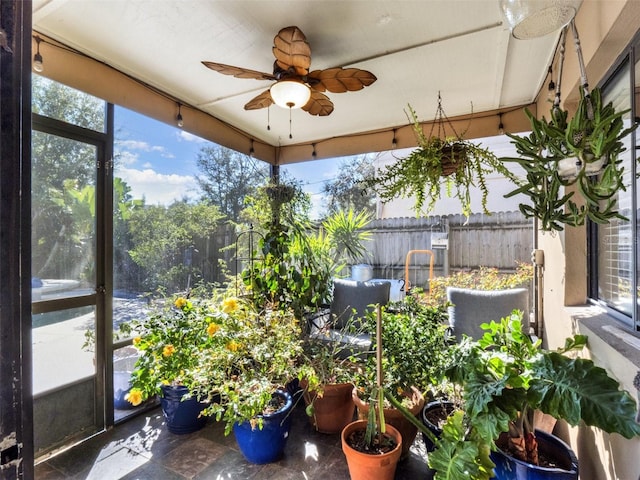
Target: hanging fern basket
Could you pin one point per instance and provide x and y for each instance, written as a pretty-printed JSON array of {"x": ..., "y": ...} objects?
[
  {"x": 440, "y": 163},
  {"x": 453, "y": 157}
]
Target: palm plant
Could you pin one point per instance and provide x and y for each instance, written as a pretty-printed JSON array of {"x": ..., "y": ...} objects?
[{"x": 346, "y": 235}]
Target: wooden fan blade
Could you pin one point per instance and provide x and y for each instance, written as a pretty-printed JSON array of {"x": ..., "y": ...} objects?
[
  {"x": 291, "y": 49},
  {"x": 261, "y": 101},
  {"x": 238, "y": 72},
  {"x": 319, "y": 104},
  {"x": 340, "y": 80}
]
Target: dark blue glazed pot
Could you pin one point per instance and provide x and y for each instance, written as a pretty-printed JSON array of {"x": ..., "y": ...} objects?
[
  {"x": 182, "y": 416},
  {"x": 508, "y": 468},
  {"x": 267, "y": 444},
  {"x": 444, "y": 409}
]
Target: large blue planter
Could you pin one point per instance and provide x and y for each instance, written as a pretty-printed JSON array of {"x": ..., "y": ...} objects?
[
  {"x": 182, "y": 416},
  {"x": 508, "y": 468},
  {"x": 266, "y": 445}
]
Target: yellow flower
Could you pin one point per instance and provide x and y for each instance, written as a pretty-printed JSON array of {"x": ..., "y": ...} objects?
[
  {"x": 134, "y": 397},
  {"x": 212, "y": 329},
  {"x": 136, "y": 340},
  {"x": 168, "y": 350},
  {"x": 229, "y": 304},
  {"x": 181, "y": 302},
  {"x": 233, "y": 346}
]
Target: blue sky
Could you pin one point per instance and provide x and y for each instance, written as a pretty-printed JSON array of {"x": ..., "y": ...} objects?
[{"x": 158, "y": 161}]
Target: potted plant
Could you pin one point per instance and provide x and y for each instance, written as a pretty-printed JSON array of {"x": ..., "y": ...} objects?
[
  {"x": 414, "y": 353},
  {"x": 452, "y": 162},
  {"x": 169, "y": 340},
  {"x": 293, "y": 269},
  {"x": 506, "y": 377},
  {"x": 372, "y": 447},
  {"x": 560, "y": 153},
  {"x": 335, "y": 364},
  {"x": 251, "y": 358}
]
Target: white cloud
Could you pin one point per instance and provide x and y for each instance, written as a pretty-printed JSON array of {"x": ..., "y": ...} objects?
[
  {"x": 127, "y": 158},
  {"x": 188, "y": 137},
  {"x": 157, "y": 188},
  {"x": 143, "y": 146}
]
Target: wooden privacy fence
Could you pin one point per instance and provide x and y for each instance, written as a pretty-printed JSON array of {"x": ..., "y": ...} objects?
[{"x": 498, "y": 240}]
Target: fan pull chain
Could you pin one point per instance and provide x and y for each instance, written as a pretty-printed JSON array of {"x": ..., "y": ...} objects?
[
  {"x": 290, "y": 136},
  {"x": 268, "y": 118}
]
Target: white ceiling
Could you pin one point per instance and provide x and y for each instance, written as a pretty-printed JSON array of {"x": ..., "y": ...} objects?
[{"x": 415, "y": 48}]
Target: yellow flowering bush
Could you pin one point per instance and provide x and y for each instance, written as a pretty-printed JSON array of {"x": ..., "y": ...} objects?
[
  {"x": 169, "y": 340},
  {"x": 255, "y": 353},
  {"x": 225, "y": 351}
]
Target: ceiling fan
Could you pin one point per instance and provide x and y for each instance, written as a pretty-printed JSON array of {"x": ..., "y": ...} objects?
[{"x": 296, "y": 86}]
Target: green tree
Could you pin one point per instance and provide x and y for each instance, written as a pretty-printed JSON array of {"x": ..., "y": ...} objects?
[
  {"x": 126, "y": 271},
  {"x": 258, "y": 207},
  {"x": 346, "y": 191},
  {"x": 227, "y": 177},
  {"x": 61, "y": 169},
  {"x": 162, "y": 238}
]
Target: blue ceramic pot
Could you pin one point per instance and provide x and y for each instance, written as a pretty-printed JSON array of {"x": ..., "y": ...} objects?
[
  {"x": 509, "y": 468},
  {"x": 121, "y": 387},
  {"x": 266, "y": 445},
  {"x": 182, "y": 416}
]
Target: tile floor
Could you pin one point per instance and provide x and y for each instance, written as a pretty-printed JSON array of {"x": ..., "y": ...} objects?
[{"x": 142, "y": 448}]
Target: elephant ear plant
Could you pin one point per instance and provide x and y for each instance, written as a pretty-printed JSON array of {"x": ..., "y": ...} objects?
[{"x": 505, "y": 376}]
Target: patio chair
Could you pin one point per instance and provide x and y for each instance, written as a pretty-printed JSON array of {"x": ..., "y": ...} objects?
[
  {"x": 470, "y": 308},
  {"x": 352, "y": 301}
]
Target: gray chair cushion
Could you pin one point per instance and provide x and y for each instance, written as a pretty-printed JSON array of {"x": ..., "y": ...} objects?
[
  {"x": 350, "y": 295},
  {"x": 471, "y": 308}
]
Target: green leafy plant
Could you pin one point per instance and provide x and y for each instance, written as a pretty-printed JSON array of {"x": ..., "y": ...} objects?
[
  {"x": 452, "y": 162},
  {"x": 593, "y": 137},
  {"x": 414, "y": 347},
  {"x": 375, "y": 440},
  {"x": 505, "y": 376},
  {"x": 297, "y": 262},
  {"x": 333, "y": 361}
]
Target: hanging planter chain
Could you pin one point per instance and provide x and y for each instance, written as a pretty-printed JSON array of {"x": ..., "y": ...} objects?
[{"x": 440, "y": 119}]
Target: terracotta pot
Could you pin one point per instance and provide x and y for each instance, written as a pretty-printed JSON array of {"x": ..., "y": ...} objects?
[
  {"x": 334, "y": 410},
  {"x": 394, "y": 417},
  {"x": 363, "y": 466}
]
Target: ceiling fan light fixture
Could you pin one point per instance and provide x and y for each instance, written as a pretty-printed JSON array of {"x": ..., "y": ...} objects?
[
  {"x": 536, "y": 18},
  {"x": 290, "y": 94}
]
